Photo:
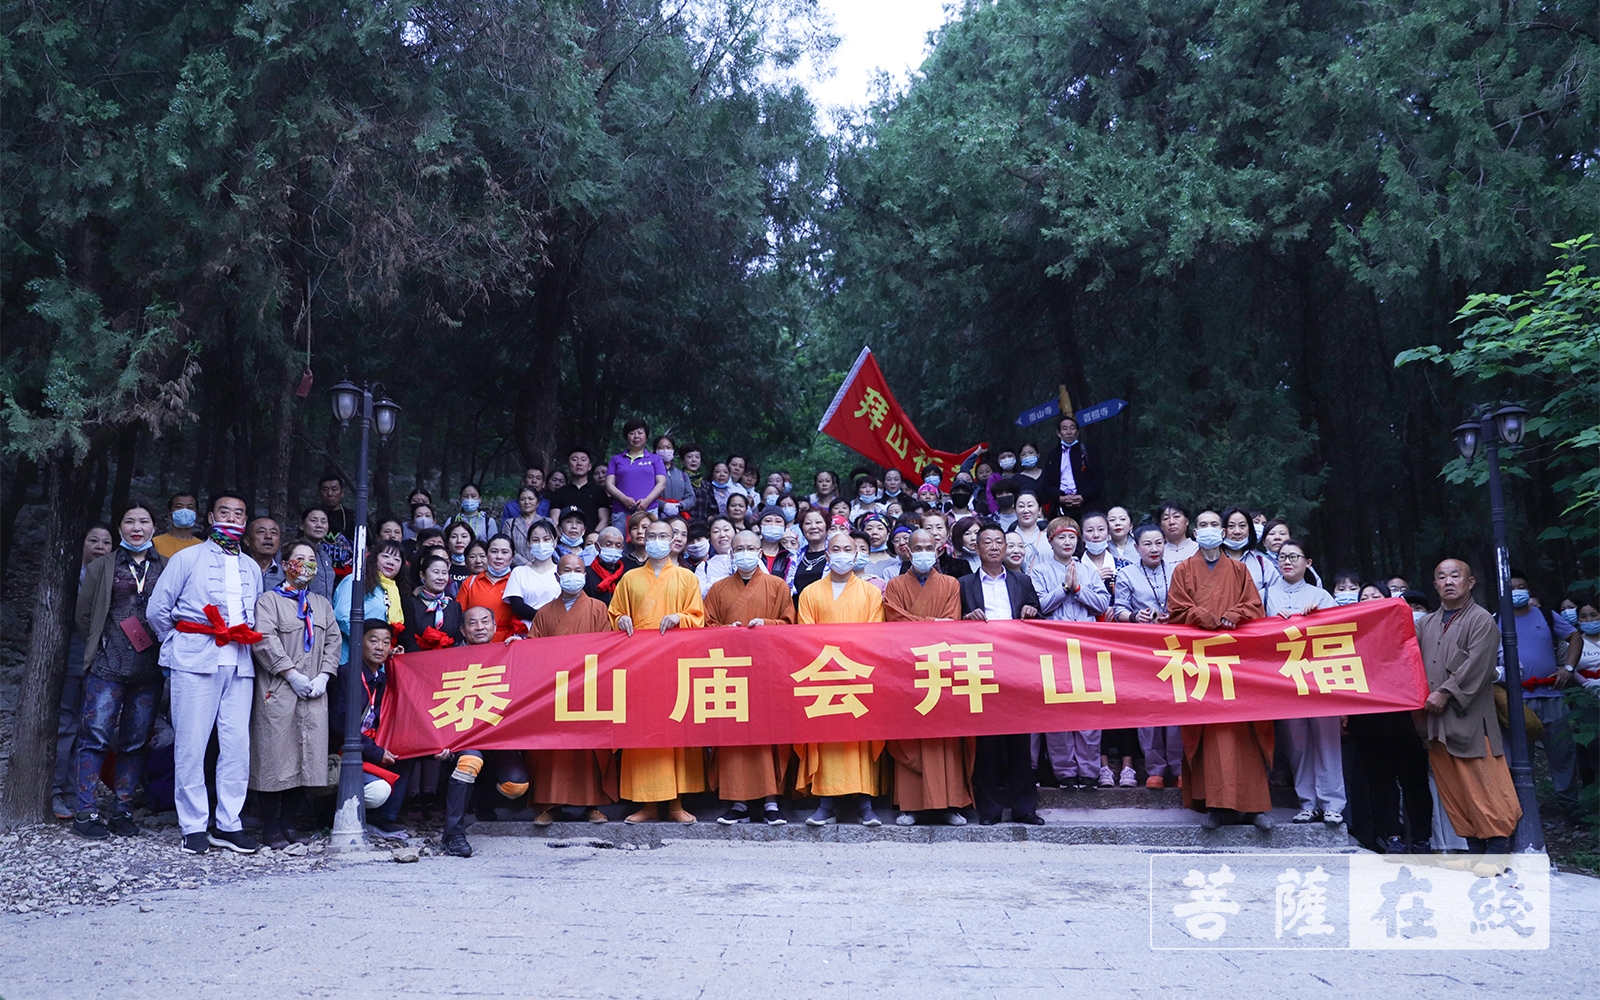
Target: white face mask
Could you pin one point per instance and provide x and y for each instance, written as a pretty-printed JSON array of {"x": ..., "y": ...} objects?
[
  {"x": 1236, "y": 544},
  {"x": 1208, "y": 538},
  {"x": 1095, "y": 548},
  {"x": 1343, "y": 597},
  {"x": 541, "y": 551},
  {"x": 658, "y": 548},
  {"x": 771, "y": 532},
  {"x": 1008, "y": 464},
  {"x": 698, "y": 549},
  {"x": 666, "y": 454},
  {"x": 609, "y": 556},
  {"x": 842, "y": 562},
  {"x": 571, "y": 583},
  {"x": 923, "y": 562},
  {"x": 746, "y": 561}
]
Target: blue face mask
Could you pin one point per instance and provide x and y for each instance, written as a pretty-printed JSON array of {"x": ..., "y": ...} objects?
[
  {"x": 923, "y": 562},
  {"x": 183, "y": 517},
  {"x": 1208, "y": 538},
  {"x": 1236, "y": 544},
  {"x": 1589, "y": 628},
  {"x": 658, "y": 548},
  {"x": 1571, "y": 615},
  {"x": 1520, "y": 598},
  {"x": 137, "y": 548},
  {"x": 842, "y": 562},
  {"x": 469, "y": 505},
  {"x": 771, "y": 532},
  {"x": 610, "y": 555},
  {"x": 1343, "y": 597},
  {"x": 869, "y": 498},
  {"x": 862, "y": 559},
  {"x": 1029, "y": 461},
  {"x": 788, "y": 516}
]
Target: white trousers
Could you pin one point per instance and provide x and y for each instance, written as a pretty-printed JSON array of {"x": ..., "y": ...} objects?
[
  {"x": 201, "y": 702},
  {"x": 1317, "y": 763}
]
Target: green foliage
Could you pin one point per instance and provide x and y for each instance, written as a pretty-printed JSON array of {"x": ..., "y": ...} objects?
[{"x": 1541, "y": 347}]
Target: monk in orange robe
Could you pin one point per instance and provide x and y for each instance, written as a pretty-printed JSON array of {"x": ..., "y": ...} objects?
[
  {"x": 832, "y": 769},
  {"x": 750, "y": 598},
  {"x": 930, "y": 776},
  {"x": 1225, "y": 764},
  {"x": 659, "y": 595},
  {"x": 572, "y": 777}
]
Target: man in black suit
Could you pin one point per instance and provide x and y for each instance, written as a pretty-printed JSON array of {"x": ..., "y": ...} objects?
[
  {"x": 1075, "y": 489},
  {"x": 994, "y": 594}
]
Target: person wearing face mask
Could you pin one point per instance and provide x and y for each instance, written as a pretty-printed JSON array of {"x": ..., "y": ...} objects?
[
  {"x": 881, "y": 562},
  {"x": 1028, "y": 472},
  {"x": 487, "y": 589},
  {"x": 433, "y": 618},
  {"x": 1224, "y": 764},
  {"x": 1583, "y": 650},
  {"x": 122, "y": 678},
  {"x": 296, "y": 659},
  {"x": 567, "y": 780},
  {"x": 1098, "y": 558},
  {"x": 1006, "y": 462},
  {"x": 1312, "y": 745},
  {"x": 1542, "y": 640},
  {"x": 1005, "y": 504},
  {"x": 893, "y": 485},
  {"x": 659, "y": 596},
  {"x": 570, "y": 536},
  {"x": 698, "y": 547},
  {"x": 678, "y": 494},
  {"x": 751, "y": 597},
  {"x": 183, "y": 512},
  {"x": 932, "y": 778},
  {"x": 533, "y": 586},
  {"x": 1070, "y": 592},
  {"x": 830, "y": 770},
  {"x": 1078, "y": 478},
  {"x": 961, "y": 502},
  {"x": 207, "y": 593},
  {"x": 1239, "y": 542},
  {"x": 472, "y": 515},
  {"x": 775, "y": 558},
  {"x": 868, "y": 499}
]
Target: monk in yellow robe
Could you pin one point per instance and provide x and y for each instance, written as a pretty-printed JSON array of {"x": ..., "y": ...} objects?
[
  {"x": 659, "y": 595},
  {"x": 1224, "y": 764},
  {"x": 831, "y": 769},
  {"x": 572, "y": 777},
  {"x": 932, "y": 777},
  {"x": 750, "y": 598}
]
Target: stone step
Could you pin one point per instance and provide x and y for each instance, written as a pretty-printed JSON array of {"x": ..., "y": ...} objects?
[
  {"x": 1135, "y": 825},
  {"x": 1137, "y": 798}
]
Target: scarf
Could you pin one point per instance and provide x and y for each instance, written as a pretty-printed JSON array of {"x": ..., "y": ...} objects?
[
  {"x": 302, "y": 610},
  {"x": 227, "y": 536},
  {"x": 435, "y": 606},
  {"x": 608, "y": 580},
  {"x": 391, "y": 593}
]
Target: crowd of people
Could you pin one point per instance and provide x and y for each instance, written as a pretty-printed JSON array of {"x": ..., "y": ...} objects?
[{"x": 235, "y": 629}]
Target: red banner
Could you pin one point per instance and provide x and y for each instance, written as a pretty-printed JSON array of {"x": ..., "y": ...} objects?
[
  {"x": 903, "y": 680},
  {"x": 865, "y": 416}
]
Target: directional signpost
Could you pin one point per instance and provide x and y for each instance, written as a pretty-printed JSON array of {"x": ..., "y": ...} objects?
[{"x": 1085, "y": 416}]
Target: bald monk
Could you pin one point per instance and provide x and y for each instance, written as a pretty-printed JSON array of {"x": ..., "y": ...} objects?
[
  {"x": 828, "y": 770},
  {"x": 1459, "y": 647},
  {"x": 932, "y": 778},
  {"x": 750, "y": 598},
  {"x": 572, "y": 778},
  {"x": 659, "y": 595},
  {"x": 1224, "y": 764}
]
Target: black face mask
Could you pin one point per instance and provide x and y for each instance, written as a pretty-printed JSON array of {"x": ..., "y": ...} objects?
[
  {"x": 961, "y": 499},
  {"x": 1005, "y": 502}
]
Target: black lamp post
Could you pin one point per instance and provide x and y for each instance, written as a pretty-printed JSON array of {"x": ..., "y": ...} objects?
[
  {"x": 351, "y": 402},
  {"x": 1487, "y": 429}
]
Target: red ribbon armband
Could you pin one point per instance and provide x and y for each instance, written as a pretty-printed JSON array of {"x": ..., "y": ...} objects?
[{"x": 216, "y": 625}]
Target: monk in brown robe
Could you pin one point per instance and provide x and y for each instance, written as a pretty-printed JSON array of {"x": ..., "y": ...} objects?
[
  {"x": 931, "y": 777},
  {"x": 572, "y": 777},
  {"x": 1224, "y": 764},
  {"x": 1459, "y": 645},
  {"x": 750, "y": 598}
]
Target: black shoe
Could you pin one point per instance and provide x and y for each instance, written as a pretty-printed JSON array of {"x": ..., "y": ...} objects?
[
  {"x": 123, "y": 826},
  {"x": 1263, "y": 822},
  {"x": 196, "y": 843},
  {"x": 1420, "y": 847},
  {"x": 988, "y": 820},
  {"x": 734, "y": 815},
  {"x": 233, "y": 840},
  {"x": 1032, "y": 819},
  {"x": 1212, "y": 820},
  {"x": 388, "y": 827},
  {"x": 1394, "y": 845},
  {"x": 456, "y": 846},
  {"x": 89, "y": 827}
]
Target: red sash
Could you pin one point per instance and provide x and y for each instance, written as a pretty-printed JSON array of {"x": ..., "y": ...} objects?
[{"x": 216, "y": 625}]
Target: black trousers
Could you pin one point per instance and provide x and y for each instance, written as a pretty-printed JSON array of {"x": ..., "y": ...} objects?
[
  {"x": 1004, "y": 760},
  {"x": 1395, "y": 763}
]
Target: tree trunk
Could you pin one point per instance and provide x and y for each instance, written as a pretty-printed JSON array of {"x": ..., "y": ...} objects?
[
  {"x": 282, "y": 451},
  {"x": 127, "y": 455},
  {"x": 26, "y": 795}
]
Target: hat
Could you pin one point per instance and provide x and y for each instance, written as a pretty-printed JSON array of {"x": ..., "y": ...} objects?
[
  {"x": 901, "y": 529},
  {"x": 567, "y": 512},
  {"x": 871, "y": 515},
  {"x": 771, "y": 510}
]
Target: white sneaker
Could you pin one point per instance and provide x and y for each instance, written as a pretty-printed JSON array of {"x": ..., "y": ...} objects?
[
  {"x": 1129, "y": 778},
  {"x": 1107, "y": 780},
  {"x": 1305, "y": 816},
  {"x": 1333, "y": 817}
]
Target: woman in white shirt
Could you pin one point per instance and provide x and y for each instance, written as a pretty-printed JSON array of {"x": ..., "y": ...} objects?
[
  {"x": 536, "y": 584},
  {"x": 1239, "y": 542}
]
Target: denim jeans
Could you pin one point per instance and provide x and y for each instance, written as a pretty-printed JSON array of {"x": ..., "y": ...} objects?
[{"x": 128, "y": 711}]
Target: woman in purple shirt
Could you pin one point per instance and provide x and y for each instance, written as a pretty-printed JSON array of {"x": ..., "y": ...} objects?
[{"x": 635, "y": 478}]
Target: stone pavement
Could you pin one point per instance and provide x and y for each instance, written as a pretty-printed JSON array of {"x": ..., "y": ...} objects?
[{"x": 706, "y": 919}]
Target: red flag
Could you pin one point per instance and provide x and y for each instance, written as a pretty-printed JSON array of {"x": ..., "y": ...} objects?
[{"x": 865, "y": 416}]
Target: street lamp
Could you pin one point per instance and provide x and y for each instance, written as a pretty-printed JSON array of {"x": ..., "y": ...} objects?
[
  {"x": 350, "y": 401},
  {"x": 1487, "y": 430}
]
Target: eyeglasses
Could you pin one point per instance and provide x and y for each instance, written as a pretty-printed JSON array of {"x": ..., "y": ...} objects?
[{"x": 1284, "y": 557}]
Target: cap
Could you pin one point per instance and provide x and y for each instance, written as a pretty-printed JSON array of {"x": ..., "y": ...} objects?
[{"x": 567, "y": 512}]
